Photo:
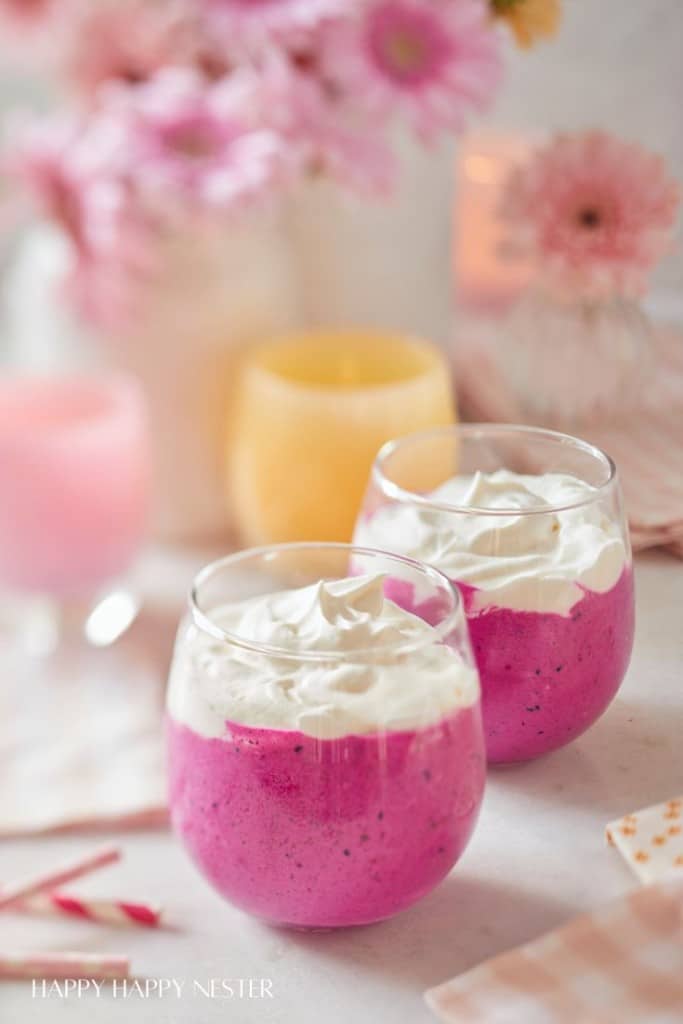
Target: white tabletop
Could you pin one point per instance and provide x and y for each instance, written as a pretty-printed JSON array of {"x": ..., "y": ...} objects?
[{"x": 538, "y": 857}]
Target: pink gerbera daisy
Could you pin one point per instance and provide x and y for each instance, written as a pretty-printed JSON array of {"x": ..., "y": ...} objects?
[
  {"x": 430, "y": 60},
  {"x": 255, "y": 22},
  {"x": 323, "y": 130},
  {"x": 593, "y": 211},
  {"x": 71, "y": 170},
  {"x": 194, "y": 140}
]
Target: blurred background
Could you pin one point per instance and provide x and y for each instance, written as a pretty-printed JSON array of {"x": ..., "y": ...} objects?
[{"x": 373, "y": 242}]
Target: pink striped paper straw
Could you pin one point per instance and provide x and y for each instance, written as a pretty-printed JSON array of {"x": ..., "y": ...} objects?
[
  {"x": 16, "y": 891},
  {"x": 63, "y": 965},
  {"x": 115, "y": 912}
]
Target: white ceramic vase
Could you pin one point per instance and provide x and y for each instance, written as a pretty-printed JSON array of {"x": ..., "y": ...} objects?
[{"x": 383, "y": 263}]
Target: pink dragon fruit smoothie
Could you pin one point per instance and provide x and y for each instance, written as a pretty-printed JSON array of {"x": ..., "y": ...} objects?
[
  {"x": 545, "y": 677},
  {"x": 544, "y": 569},
  {"x": 548, "y": 676},
  {"x": 323, "y": 793},
  {"x": 280, "y": 832}
]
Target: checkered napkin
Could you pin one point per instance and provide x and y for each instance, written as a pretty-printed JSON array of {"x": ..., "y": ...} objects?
[
  {"x": 647, "y": 446},
  {"x": 651, "y": 841},
  {"x": 81, "y": 739},
  {"x": 622, "y": 964}
]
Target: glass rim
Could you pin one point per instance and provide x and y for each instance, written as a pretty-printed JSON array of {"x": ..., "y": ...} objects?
[
  {"x": 475, "y": 430},
  {"x": 204, "y": 621},
  {"x": 415, "y": 342},
  {"x": 114, "y": 392}
]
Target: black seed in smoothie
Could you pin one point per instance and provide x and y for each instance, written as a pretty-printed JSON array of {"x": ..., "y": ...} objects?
[
  {"x": 298, "y": 748},
  {"x": 426, "y": 774},
  {"x": 559, "y": 668},
  {"x": 380, "y": 815},
  {"x": 347, "y": 853},
  {"x": 538, "y": 671},
  {"x": 214, "y": 805}
]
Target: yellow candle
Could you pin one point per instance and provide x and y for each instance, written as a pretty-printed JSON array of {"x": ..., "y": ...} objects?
[{"x": 312, "y": 412}]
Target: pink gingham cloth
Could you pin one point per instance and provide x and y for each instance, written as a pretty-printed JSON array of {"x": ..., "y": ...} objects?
[
  {"x": 81, "y": 740},
  {"x": 647, "y": 444},
  {"x": 621, "y": 964}
]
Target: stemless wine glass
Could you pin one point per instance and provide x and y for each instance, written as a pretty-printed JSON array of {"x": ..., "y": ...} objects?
[
  {"x": 530, "y": 526},
  {"x": 74, "y": 478},
  {"x": 320, "y": 787}
]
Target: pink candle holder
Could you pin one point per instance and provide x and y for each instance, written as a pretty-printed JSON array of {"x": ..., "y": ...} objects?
[{"x": 74, "y": 479}]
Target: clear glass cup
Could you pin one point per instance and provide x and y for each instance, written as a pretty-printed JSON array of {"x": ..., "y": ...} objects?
[
  {"x": 311, "y": 413},
  {"x": 543, "y": 564},
  {"x": 322, "y": 826},
  {"x": 75, "y": 477}
]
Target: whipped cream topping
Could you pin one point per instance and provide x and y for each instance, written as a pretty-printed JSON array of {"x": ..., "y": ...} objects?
[
  {"x": 379, "y": 667},
  {"x": 534, "y": 562}
]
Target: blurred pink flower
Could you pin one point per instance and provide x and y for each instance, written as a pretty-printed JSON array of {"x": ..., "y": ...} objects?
[
  {"x": 72, "y": 170},
  {"x": 254, "y": 23},
  {"x": 32, "y": 32},
  {"x": 594, "y": 212},
  {"x": 193, "y": 142},
  {"x": 26, "y": 13},
  {"x": 431, "y": 60},
  {"x": 127, "y": 40},
  {"x": 325, "y": 132},
  {"x": 49, "y": 160}
]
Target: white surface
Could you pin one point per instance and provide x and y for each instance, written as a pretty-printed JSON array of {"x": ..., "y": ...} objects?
[{"x": 538, "y": 857}]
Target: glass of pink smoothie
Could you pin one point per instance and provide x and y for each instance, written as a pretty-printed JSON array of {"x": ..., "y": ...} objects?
[
  {"x": 529, "y": 524},
  {"x": 74, "y": 479},
  {"x": 326, "y": 754}
]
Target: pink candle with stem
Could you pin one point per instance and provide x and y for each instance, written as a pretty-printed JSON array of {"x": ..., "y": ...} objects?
[{"x": 74, "y": 481}]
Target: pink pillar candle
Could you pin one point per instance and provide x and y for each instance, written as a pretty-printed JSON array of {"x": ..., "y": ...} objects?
[{"x": 74, "y": 480}]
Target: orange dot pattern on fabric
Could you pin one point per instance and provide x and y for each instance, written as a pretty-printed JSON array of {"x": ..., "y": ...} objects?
[{"x": 651, "y": 840}]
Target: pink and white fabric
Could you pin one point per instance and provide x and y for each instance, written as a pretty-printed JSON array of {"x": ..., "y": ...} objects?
[
  {"x": 646, "y": 443},
  {"x": 621, "y": 964},
  {"x": 80, "y": 748},
  {"x": 651, "y": 840}
]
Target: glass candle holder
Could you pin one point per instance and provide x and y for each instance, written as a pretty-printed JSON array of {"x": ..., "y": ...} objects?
[
  {"x": 530, "y": 526},
  {"x": 312, "y": 412},
  {"x": 326, "y": 756},
  {"x": 74, "y": 475}
]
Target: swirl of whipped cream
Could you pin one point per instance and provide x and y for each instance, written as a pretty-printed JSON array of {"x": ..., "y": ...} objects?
[
  {"x": 535, "y": 562},
  {"x": 371, "y": 665}
]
